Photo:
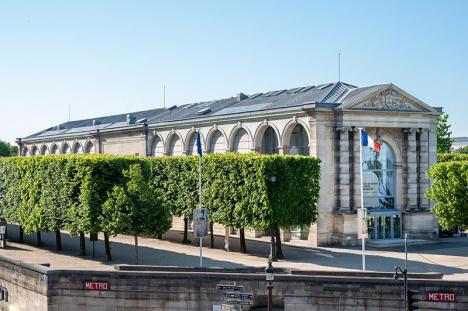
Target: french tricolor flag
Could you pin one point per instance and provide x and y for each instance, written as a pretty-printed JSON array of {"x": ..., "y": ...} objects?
[{"x": 368, "y": 141}]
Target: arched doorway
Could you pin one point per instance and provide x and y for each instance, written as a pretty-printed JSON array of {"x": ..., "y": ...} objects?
[
  {"x": 241, "y": 142},
  {"x": 176, "y": 146},
  {"x": 269, "y": 141},
  {"x": 299, "y": 141},
  {"x": 379, "y": 190},
  {"x": 217, "y": 143}
]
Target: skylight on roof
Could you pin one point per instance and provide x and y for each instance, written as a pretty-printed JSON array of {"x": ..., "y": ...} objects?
[
  {"x": 255, "y": 95},
  {"x": 278, "y": 92}
]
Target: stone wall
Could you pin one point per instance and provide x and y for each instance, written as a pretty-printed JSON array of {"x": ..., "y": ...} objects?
[
  {"x": 26, "y": 285},
  {"x": 33, "y": 287}
]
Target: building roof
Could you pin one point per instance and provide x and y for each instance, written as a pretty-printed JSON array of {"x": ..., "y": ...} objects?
[{"x": 329, "y": 94}]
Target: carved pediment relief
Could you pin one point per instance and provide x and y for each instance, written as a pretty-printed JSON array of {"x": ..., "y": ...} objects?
[{"x": 388, "y": 100}]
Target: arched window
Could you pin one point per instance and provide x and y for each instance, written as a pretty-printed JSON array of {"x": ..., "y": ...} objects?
[
  {"x": 269, "y": 141},
  {"x": 175, "y": 146},
  {"x": 217, "y": 143},
  {"x": 192, "y": 144},
  {"x": 89, "y": 148},
  {"x": 157, "y": 148},
  {"x": 44, "y": 150},
  {"x": 66, "y": 149},
  {"x": 54, "y": 149},
  {"x": 378, "y": 171},
  {"x": 299, "y": 142},
  {"x": 78, "y": 149},
  {"x": 241, "y": 141}
]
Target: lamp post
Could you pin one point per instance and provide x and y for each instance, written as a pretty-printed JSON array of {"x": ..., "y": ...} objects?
[
  {"x": 396, "y": 276},
  {"x": 270, "y": 276},
  {"x": 272, "y": 257}
]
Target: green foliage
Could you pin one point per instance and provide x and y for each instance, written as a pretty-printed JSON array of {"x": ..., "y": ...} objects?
[
  {"x": 104, "y": 193},
  {"x": 7, "y": 150},
  {"x": 448, "y": 157},
  {"x": 462, "y": 150},
  {"x": 450, "y": 191},
  {"x": 134, "y": 207},
  {"x": 444, "y": 142},
  {"x": 236, "y": 190}
]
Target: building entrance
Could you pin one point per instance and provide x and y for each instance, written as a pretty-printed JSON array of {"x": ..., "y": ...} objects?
[{"x": 384, "y": 224}]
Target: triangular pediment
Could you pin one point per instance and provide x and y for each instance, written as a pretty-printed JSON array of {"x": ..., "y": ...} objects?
[{"x": 389, "y": 98}]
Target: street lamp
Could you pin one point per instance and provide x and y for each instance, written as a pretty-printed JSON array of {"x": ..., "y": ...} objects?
[
  {"x": 272, "y": 256},
  {"x": 396, "y": 276},
  {"x": 270, "y": 276}
]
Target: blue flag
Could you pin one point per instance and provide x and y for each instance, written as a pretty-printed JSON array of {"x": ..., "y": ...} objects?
[
  {"x": 364, "y": 138},
  {"x": 199, "y": 148}
]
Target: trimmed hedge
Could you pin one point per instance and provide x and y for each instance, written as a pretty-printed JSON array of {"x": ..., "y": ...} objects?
[
  {"x": 50, "y": 193},
  {"x": 447, "y": 157},
  {"x": 450, "y": 191}
]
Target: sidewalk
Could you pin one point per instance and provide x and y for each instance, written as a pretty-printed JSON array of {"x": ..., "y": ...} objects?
[{"x": 448, "y": 257}]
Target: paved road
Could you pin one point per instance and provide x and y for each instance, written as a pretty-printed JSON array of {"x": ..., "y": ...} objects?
[{"x": 448, "y": 257}]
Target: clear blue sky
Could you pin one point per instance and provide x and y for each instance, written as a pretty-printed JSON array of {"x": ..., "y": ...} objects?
[{"x": 107, "y": 57}]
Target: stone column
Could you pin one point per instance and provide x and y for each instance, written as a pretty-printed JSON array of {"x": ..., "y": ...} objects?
[
  {"x": 412, "y": 169},
  {"x": 344, "y": 198},
  {"x": 423, "y": 167}
]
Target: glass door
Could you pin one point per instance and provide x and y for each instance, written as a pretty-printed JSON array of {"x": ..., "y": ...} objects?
[{"x": 384, "y": 225}]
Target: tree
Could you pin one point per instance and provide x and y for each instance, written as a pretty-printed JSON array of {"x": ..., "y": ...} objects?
[
  {"x": 7, "y": 150},
  {"x": 444, "y": 142},
  {"x": 135, "y": 208},
  {"x": 449, "y": 190},
  {"x": 463, "y": 150}
]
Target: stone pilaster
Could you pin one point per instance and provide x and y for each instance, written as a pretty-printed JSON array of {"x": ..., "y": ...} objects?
[
  {"x": 412, "y": 170},
  {"x": 356, "y": 170},
  {"x": 343, "y": 180},
  {"x": 423, "y": 167}
]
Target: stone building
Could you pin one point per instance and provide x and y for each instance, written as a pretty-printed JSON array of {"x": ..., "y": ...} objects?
[{"x": 322, "y": 121}]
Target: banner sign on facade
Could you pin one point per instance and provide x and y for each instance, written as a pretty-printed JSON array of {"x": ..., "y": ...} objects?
[
  {"x": 362, "y": 223},
  {"x": 200, "y": 222}
]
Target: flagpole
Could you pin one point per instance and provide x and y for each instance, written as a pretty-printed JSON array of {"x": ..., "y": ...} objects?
[
  {"x": 363, "y": 242},
  {"x": 200, "y": 200}
]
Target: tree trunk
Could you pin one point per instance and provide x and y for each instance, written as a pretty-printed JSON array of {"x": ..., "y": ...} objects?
[
  {"x": 211, "y": 235},
  {"x": 58, "y": 239},
  {"x": 39, "y": 238},
  {"x": 107, "y": 247},
  {"x": 226, "y": 239},
  {"x": 159, "y": 236},
  {"x": 82, "y": 244},
  {"x": 279, "y": 250},
  {"x": 136, "y": 249},
  {"x": 21, "y": 234},
  {"x": 243, "y": 245},
  {"x": 185, "y": 239}
]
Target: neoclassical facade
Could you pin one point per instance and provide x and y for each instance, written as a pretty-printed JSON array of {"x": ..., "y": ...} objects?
[{"x": 321, "y": 121}]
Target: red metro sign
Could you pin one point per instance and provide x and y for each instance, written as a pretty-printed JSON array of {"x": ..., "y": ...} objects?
[
  {"x": 89, "y": 285},
  {"x": 442, "y": 297}
]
